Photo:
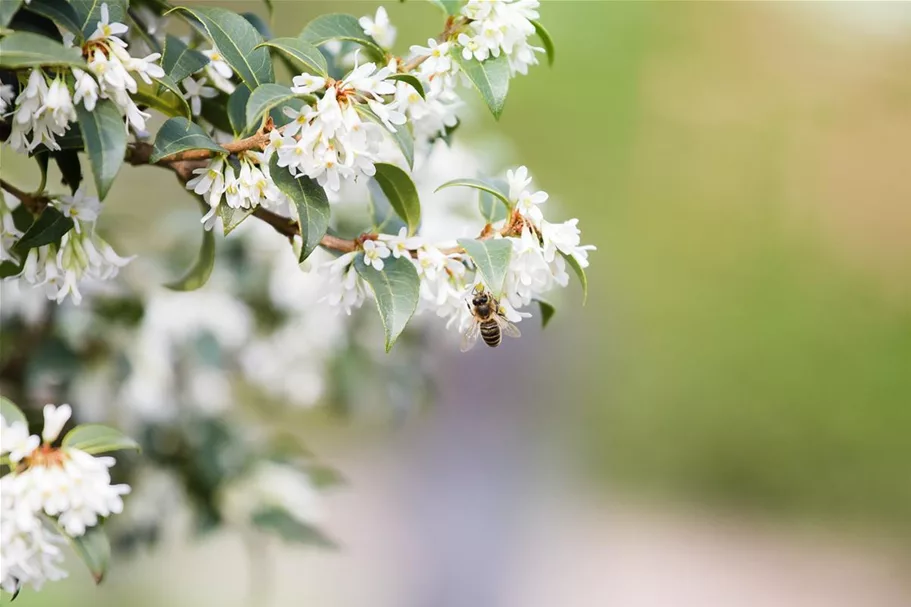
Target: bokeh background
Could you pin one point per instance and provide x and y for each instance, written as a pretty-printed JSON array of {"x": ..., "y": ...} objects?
[{"x": 728, "y": 419}]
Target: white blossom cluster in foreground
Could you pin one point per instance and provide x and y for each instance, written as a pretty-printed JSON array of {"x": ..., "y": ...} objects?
[
  {"x": 82, "y": 252},
  {"x": 49, "y": 493},
  {"x": 46, "y": 107}
]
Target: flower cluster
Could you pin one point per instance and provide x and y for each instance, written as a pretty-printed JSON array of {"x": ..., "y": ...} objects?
[
  {"x": 246, "y": 188},
  {"x": 81, "y": 253},
  {"x": 64, "y": 487},
  {"x": 537, "y": 265},
  {"x": 45, "y": 106},
  {"x": 497, "y": 26},
  {"x": 331, "y": 140}
]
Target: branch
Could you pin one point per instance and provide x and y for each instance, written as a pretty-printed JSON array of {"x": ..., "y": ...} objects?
[{"x": 35, "y": 203}]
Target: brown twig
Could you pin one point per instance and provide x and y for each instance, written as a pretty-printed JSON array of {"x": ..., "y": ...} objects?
[{"x": 35, "y": 203}]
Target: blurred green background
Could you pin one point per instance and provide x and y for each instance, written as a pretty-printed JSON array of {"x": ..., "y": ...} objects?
[{"x": 744, "y": 171}]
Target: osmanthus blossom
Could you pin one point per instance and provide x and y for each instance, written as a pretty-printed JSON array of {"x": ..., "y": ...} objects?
[
  {"x": 379, "y": 27},
  {"x": 48, "y": 483}
]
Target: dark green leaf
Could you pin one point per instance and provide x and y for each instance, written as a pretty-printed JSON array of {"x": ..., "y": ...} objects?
[
  {"x": 22, "y": 218},
  {"x": 236, "y": 40},
  {"x": 261, "y": 26},
  {"x": 11, "y": 268},
  {"x": 490, "y": 77},
  {"x": 8, "y": 8},
  {"x": 89, "y": 13},
  {"x": 25, "y": 49},
  {"x": 50, "y": 226},
  {"x": 396, "y": 289},
  {"x": 580, "y": 273},
  {"x": 384, "y": 216},
  {"x": 547, "y": 41},
  {"x": 414, "y": 82},
  {"x": 105, "y": 140},
  {"x": 491, "y": 258},
  {"x": 42, "y": 158},
  {"x": 10, "y": 412},
  {"x": 301, "y": 52},
  {"x": 60, "y": 13},
  {"x": 214, "y": 111},
  {"x": 94, "y": 549},
  {"x": 401, "y": 193},
  {"x": 478, "y": 184},
  {"x": 338, "y": 26},
  {"x": 95, "y": 438},
  {"x": 401, "y": 136},
  {"x": 202, "y": 269},
  {"x": 231, "y": 218},
  {"x": 450, "y": 7},
  {"x": 311, "y": 204},
  {"x": 547, "y": 311},
  {"x": 178, "y": 135},
  {"x": 168, "y": 83},
  {"x": 68, "y": 163},
  {"x": 179, "y": 61},
  {"x": 280, "y": 522},
  {"x": 263, "y": 99},
  {"x": 237, "y": 109}
]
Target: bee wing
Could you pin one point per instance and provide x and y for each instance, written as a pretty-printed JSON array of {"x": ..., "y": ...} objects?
[
  {"x": 470, "y": 336},
  {"x": 507, "y": 327}
]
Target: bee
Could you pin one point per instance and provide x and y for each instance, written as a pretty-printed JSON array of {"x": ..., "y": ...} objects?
[{"x": 488, "y": 322}]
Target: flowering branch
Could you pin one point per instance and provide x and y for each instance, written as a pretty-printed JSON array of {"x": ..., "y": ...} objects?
[{"x": 35, "y": 203}]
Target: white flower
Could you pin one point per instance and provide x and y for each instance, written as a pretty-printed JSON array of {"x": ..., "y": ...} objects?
[
  {"x": 380, "y": 28},
  {"x": 526, "y": 202},
  {"x": 54, "y": 420},
  {"x": 106, "y": 29},
  {"x": 79, "y": 207},
  {"x": 438, "y": 60},
  {"x": 9, "y": 233},
  {"x": 209, "y": 181},
  {"x": 145, "y": 67},
  {"x": 196, "y": 92},
  {"x": 564, "y": 237},
  {"x": 218, "y": 71},
  {"x": 304, "y": 84},
  {"x": 15, "y": 440},
  {"x": 30, "y": 551},
  {"x": 518, "y": 180},
  {"x": 402, "y": 245},
  {"x": 86, "y": 89},
  {"x": 343, "y": 287},
  {"x": 375, "y": 251},
  {"x": 471, "y": 48},
  {"x": 6, "y": 96}
]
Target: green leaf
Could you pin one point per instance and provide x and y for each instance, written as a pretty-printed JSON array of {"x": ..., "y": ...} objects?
[
  {"x": 338, "y": 26},
  {"x": 70, "y": 168},
  {"x": 89, "y": 13},
  {"x": 263, "y": 99},
  {"x": 8, "y": 8},
  {"x": 236, "y": 40},
  {"x": 401, "y": 193},
  {"x": 50, "y": 226},
  {"x": 105, "y": 139},
  {"x": 396, "y": 289},
  {"x": 180, "y": 61},
  {"x": 547, "y": 41},
  {"x": 215, "y": 112},
  {"x": 237, "y": 110},
  {"x": 547, "y": 311},
  {"x": 178, "y": 135},
  {"x": 11, "y": 268},
  {"x": 95, "y": 438},
  {"x": 301, "y": 52},
  {"x": 490, "y": 77},
  {"x": 450, "y": 7},
  {"x": 261, "y": 26},
  {"x": 311, "y": 203},
  {"x": 60, "y": 13},
  {"x": 25, "y": 49},
  {"x": 168, "y": 83},
  {"x": 197, "y": 275},
  {"x": 280, "y": 522},
  {"x": 491, "y": 208},
  {"x": 478, "y": 184},
  {"x": 580, "y": 272},
  {"x": 401, "y": 136},
  {"x": 10, "y": 412},
  {"x": 491, "y": 258},
  {"x": 414, "y": 82},
  {"x": 231, "y": 218},
  {"x": 94, "y": 549},
  {"x": 384, "y": 216}
]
